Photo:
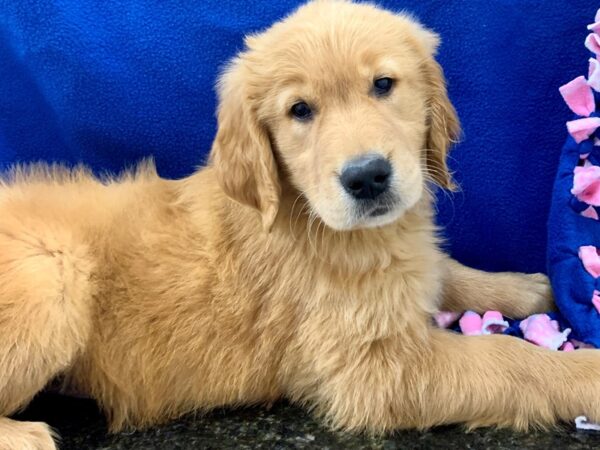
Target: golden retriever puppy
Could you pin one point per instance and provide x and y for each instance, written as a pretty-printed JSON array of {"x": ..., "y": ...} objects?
[{"x": 301, "y": 263}]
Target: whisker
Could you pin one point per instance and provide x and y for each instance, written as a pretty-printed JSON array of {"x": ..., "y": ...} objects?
[{"x": 292, "y": 215}]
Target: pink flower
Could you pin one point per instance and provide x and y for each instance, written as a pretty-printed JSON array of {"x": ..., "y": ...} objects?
[
  {"x": 590, "y": 213},
  {"x": 592, "y": 43},
  {"x": 595, "y": 27},
  {"x": 567, "y": 347},
  {"x": 444, "y": 319},
  {"x": 581, "y": 129},
  {"x": 586, "y": 184},
  {"x": 540, "y": 330},
  {"x": 470, "y": 324},
  {"x": 596, "y": 300},
  {"x": 578, "y": 96},
  {"x": 590, "y": 259},
  {"x": 493, "y": 323},
  {"x": 594, "y": 74}
]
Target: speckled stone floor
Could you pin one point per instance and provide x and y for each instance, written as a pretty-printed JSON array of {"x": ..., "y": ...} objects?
[{"x": 284, "y": 426}]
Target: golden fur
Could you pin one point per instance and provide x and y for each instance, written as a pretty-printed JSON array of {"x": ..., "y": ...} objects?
[{"x": 254, "y": 279}]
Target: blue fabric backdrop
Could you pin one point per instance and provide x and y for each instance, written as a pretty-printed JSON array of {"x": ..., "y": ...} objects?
[{"x": 106, "y": 83}]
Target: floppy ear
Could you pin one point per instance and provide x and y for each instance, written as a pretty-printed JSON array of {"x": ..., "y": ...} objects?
[
  {"x": 241, "y": 153},
  {"x": 443, "y": 126}
]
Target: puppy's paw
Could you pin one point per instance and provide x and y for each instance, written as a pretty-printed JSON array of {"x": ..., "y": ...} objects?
[
  {"x": 26, "y": 435},
  {"x": 538, "y": 292},
  {"x": 526, "y": 294}
]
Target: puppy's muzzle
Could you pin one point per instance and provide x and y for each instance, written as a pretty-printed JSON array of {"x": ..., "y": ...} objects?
[{"x": 366, "y": 177}]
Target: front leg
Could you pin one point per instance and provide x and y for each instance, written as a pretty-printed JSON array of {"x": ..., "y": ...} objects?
[
  {"x": 491, "y": 380},
  {"x": 515, "y": 295}
]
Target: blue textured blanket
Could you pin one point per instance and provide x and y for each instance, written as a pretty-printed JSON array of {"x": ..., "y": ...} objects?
[{"x": 106, "y": 83}]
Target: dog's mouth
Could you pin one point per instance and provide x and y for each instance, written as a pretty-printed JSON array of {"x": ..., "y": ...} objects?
[
  {"x": 366, "y": 213},
  {"x": 379, "y": 211}
]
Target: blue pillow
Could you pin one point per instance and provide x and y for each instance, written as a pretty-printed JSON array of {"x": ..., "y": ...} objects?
[{"x": 574, "y": 224}]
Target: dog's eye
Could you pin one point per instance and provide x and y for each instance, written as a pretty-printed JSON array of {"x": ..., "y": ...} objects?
[
  {"x": 382, "y": 86},
  {"x": 301, "y": 111}
]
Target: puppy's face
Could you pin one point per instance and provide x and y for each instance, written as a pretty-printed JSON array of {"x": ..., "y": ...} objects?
[{"x": 344, "y": 100}]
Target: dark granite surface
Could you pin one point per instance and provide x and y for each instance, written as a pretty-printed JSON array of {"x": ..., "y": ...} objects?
[{"x": 284, "y": 426}]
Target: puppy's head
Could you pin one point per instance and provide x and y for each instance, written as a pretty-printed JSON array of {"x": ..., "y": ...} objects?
[{"x": 346, "y": 101}]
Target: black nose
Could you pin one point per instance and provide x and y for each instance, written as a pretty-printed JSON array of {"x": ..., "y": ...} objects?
[{"x": 366, "y": 177}]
